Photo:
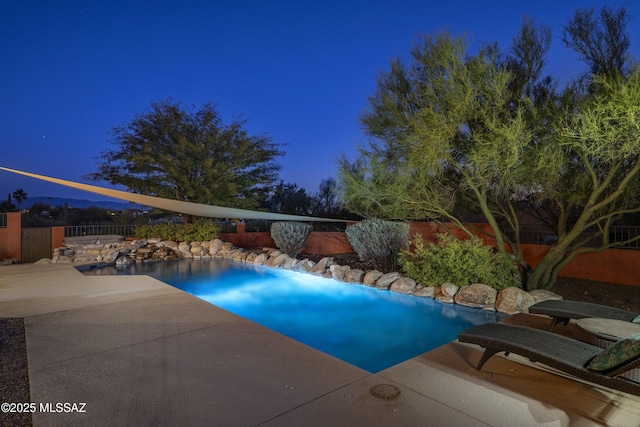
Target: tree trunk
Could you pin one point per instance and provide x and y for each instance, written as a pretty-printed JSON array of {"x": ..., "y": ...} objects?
[{"x": 544, "y": 274}]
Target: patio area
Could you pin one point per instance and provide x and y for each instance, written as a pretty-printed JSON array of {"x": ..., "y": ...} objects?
[{"x": 140, "y": 352}]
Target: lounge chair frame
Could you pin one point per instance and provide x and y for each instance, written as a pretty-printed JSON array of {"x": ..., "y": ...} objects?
[
  {"x": 562, "y": 311},
  {"x": 557, "y": 351}
]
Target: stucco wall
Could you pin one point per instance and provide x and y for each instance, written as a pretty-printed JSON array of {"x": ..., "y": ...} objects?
[
  {"x": 611, "y": 265},
  {"x": 11, "y": 237}
]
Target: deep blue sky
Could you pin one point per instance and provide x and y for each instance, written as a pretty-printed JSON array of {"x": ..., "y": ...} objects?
[{"x": 300, "y": 71}]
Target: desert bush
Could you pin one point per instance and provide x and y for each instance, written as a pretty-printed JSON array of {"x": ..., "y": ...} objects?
[
  {"x": 290, "y": 236},
  {"x": 461, "y": 262},
  {"x": 379, "y": 242},
  {"x": 199, "y": 231}
]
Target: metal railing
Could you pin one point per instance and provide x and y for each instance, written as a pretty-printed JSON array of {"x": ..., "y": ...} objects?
[
  {"x": 3, "y": 220},
  {"x": 541, "y": 235},
  {"x": 100, "y": 230},
  {"x": 253, "y": 226},
  {"x": 622, "y": 233}
]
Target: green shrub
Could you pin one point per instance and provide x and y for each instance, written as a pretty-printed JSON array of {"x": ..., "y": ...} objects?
[
  {"x": 200, "y": 230},
  {"x": 461, "y": 262},
  {"x": 290, "y": 236},
  {"x": 379, "y": 242},
  {"x": 160, "y": 231}
]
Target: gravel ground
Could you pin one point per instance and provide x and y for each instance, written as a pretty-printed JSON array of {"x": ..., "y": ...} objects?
[
  {"x": 625, "y": 297},
  {"x": 14, "y": 373}
]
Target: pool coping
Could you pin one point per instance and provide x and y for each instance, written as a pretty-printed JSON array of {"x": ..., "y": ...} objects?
[{"x": 127, "y": 347}]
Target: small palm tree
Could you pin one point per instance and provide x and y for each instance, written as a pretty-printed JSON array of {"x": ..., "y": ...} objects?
[{"x": 19, "y": 195}]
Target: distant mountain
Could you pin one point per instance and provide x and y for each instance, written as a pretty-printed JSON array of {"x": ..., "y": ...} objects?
[{"x": 75, "y": 203}]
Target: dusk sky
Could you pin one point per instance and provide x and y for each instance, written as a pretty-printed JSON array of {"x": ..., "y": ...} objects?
[{"x": 299, "y": 71}]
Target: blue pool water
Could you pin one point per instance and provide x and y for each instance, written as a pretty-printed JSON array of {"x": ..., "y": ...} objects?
[{"x": 366, "y": 327}]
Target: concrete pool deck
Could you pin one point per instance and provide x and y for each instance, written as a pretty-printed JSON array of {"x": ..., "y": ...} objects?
[{"x": 140, "y": 352}]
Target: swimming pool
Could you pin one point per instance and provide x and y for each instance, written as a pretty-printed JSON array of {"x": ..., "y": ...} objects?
[{"x": 366, "y": 327}]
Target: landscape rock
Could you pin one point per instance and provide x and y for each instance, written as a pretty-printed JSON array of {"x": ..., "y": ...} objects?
[
  {"x": 168, "y": 243},
  {"x": 540, "y": 295},
  {"x": 215, "y": 246},
  {"x": 290, "y": 263},
  {"x": 110, "y": 255},
  {"x": 321, "y": 266},
  {"x": 449, "y": 289},
  {"x": 510, "y": 300},
  {"x": 338, "y": 271},
  {"x": 385, "y": 281},
  {"x": 476, "y": 295},
  {"x": 225, "y": 248},
  {"x": 513, "y": 300},
  {"x": 403, "y": 285},
  {"x": 353, "y": 275},
  {"x": 274, "y": 253},
  {"x": 441, "y": 296},
  {"x": 277, "y": 261},
  {"x": 305, "y": 265},
  {"x": 261, "y": 258},
  {"x": 370, "y": 277},
  {"x": 185, "y": 253},
  {"x": 425, "y": 292},
  {"x": 123, "y": 261}
]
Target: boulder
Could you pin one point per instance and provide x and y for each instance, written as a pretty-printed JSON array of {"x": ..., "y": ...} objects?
[
  {"x": 185, "y": 252},
  {"x": 370, "y": 277},
  {"x": 198, "y": 250},
  {"x": 448, "y": 289},
  {"x": 123, "y": 261},
  {"x": 385, "y": 281},
  {"x": 290, "y": 263},
  {"x": 225, "y": 248},
  {"x": 277, "y": 261},
  {"x": 136, "y": 244},
  {"x": 305, "y": 265},
  {"x": 424, "y": 292},
  {"x": 261, "y": 258},
  {"x": 441, "y": 296},
  {"x": 353, "y": 275},
  {"x": 110, "y": 255},
  {"x": 512, "y": 300},
  {"x": 477, "y": 295},
  {"x": 321, "y": 266},
  {"x": 167, "y": 243},
  {"x": 540, "y": 295},
  {"x": 403, "y": 285},
  {"x": 274, "y": 253},
  {"x": 80, "y": 259},
  {"x": 215, "y": 246},
  {"x": 338, "y": 271}
]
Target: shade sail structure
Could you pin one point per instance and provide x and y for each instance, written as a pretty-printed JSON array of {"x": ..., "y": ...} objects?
[{"x": 188, "y": 208}]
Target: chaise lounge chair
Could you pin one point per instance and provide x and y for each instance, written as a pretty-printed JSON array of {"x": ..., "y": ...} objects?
[
  {"x": 563, "y": 311},
  {"x": 557, "y": 351}
]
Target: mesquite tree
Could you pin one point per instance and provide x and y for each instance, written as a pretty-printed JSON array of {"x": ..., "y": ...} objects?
[{"x": 190, "y": 155}]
